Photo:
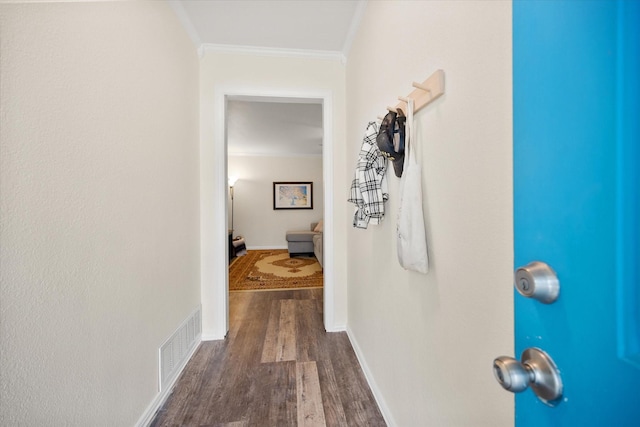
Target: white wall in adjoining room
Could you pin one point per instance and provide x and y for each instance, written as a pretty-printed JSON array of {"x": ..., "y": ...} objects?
[
  {"x": 254, "y": 216},
  {"x": 100, "y": 206},
  {"x": 428, "y": 341}
]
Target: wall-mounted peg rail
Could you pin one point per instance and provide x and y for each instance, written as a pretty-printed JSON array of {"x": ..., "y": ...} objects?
[{"x": 424, "y": 94}]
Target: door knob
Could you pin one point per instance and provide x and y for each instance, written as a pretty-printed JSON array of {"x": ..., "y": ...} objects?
[
  {"x": 538, "y": 281},
  {"x": 536, "y": 370}
]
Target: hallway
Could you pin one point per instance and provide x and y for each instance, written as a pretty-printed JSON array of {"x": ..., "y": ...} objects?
[
  {"x": 277, "y": 367},
  {"x": 113, "y": 223}
]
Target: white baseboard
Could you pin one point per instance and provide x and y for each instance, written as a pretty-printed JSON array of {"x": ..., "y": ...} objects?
[
  {"x": 336, "y": 328},
  {"x": 377, "y": 394},
  {"x": 211, "y": 337},
  {"x": 147, "y": 417},
  {"x": 265, "y": 248}
]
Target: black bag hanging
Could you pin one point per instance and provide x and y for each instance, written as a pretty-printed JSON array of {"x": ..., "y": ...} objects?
[{"x": 391, "y": 138}]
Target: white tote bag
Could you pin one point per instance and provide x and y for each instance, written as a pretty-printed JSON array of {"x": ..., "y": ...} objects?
[{"x": 412, "y": 239}]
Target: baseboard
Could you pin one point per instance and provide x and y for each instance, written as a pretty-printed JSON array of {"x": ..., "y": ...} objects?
[
  {"x": 264, "y": 248},
  {"x": 211, "y": 337},
  {"x": 377, "y": 394},
  {"x": 336, "y": 328},
  {"x": 147, "y": 417}
]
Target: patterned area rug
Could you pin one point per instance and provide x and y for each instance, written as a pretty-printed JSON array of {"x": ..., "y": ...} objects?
[{"x": 274, "y": 269}]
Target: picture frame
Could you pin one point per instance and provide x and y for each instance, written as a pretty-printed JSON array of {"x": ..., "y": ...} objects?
[{"x": 292, "y": 195}]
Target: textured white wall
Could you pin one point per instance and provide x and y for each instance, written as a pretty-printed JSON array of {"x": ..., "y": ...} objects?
[
  {"x": 100, "y": 213},
  {"x": 252, "y": 74},
  {"x": 254, "y": 216},
  {"x": 428, "y": 341}
]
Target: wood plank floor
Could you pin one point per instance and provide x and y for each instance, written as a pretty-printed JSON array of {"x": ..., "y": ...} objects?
[{"x": 277, "y": 367}]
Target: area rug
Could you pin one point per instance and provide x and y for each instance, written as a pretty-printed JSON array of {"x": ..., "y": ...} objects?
[{"x": 274, "y": 269}]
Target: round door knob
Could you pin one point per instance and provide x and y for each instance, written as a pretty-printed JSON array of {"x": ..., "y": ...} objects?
[
  {"x": 512, "y": 375},
  {"x": 538, "y": 281},
  {"x": 536, "y": 370}
]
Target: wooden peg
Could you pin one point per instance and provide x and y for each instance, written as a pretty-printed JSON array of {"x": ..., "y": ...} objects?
[
  {"x": 420, "y": 86},
  {"x": 424, "y": 93}
]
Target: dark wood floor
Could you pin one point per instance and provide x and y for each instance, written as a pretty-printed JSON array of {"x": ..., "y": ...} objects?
[{"x": 277, "y": 367}]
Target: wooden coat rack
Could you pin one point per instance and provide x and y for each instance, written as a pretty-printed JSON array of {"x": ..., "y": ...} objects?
[{"x": 424, "y": 94}]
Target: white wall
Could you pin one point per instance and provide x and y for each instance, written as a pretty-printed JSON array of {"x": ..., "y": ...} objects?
[
  {"x": 428, "y": 341},
  {"x": 254, "y": 75},
  {"x": 254, "y": 216},
  {"x": 100, "y": 213}
]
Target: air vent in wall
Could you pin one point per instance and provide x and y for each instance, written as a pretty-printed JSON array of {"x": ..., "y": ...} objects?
[{"x": 176, "y": 350}]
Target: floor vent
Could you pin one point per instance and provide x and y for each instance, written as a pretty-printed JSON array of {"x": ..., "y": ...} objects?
[{"x": 175, "y": 350}]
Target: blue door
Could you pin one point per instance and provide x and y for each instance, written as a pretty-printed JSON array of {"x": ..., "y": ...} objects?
[{"x": 576, "y": 204}]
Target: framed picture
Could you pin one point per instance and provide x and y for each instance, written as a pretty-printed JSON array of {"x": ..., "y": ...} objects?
[{"x": 293, "y": 195}]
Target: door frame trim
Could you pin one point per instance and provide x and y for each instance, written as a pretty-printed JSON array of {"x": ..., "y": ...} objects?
[{"x": 214, "y": 222}]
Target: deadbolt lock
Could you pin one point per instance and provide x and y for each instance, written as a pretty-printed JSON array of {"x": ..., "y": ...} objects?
[{"x": 538, "y": 281}]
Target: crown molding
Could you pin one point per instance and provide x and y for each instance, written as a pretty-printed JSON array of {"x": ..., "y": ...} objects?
[
  {"x": 353, "y": 28},
  {"x": 271, "y": 51},
  {"x": 178, "y": 9}
]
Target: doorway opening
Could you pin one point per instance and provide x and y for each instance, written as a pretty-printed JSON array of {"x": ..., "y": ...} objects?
[
  {"x": 215, "y": 292},
  {"x": 274, "y": 163}
]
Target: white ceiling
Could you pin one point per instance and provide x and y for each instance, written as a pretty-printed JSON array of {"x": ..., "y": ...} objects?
[
  {"x": 306, "y": 25},
  {"x": 274, "y": 127},
  {"x": 289, "y": 27}
]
